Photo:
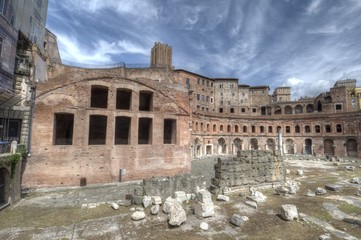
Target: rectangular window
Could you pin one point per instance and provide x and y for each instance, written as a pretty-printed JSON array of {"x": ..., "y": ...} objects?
[
  {"x": 338, "y": 107},
  {"x": 203, "y": 109},
  {"x": 198, "y": 96},
  {"x": 220, "y": 85},
  {"x": 124, "y": 99},
  {"x": 145, "y": 131},
  {"x": 198, "y": 81},
  {"x": 187, "y": 81},
  {"x": 145, "y": 101},
  {"x": 231, "y": 86},
  {"x": 63, "y": 128},
  {"x": 207, "y": 98},
  {"x": 99, "y": 97},
  {"x": 202, "y": 98},
  {"x": 207, "y": 83},
  {"x": 170, "y": 131},
  {"x": 221, "y": 110},
  {"x": 97, "y": 129},
  {"x": 202, "y": 82},
  {"x": 122, "y": 130}
]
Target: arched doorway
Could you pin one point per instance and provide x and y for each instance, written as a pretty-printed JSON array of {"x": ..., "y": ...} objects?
[
  {"x": 3, "y": 180},
  {"x": 254, "y": 144},
  {"x": 271, "y": 144},
  {"x": 237, "y": 145},
  {"x": 351, "y": 148},
  {"x": 290, "y": 149},
  {"x": 328, "y": 147},
  {"x": 222, "y": 146},
  {"x": 308, "y": 146}
]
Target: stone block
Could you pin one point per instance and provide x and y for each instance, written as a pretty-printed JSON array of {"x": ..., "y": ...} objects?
[
  {"x": 238, "y": 220},
  {"x": 204, "y": 196},
  {"x": 157, "y": 200},
  {"x": 180, "y": 196},
  {"x": 251, "y": 204},
  {"x": 138, "y": 215},
  {"x": 114, "y": 205},
  {"x": 222, "y": 198},
  {"x": 177, "y": 215},
  {"x": 146, "y": 201},
  {"x": 154, "y": 210},
  {"x": 289, "y": 212},
  {"x": 333, "y": 187},
  {"x": 204, "y": 209}
]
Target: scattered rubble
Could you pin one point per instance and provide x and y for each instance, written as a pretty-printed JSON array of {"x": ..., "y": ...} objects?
[
  {"x": 204, "y": 205},
  {"x": 157, "y": 200},
  {"x": 146, "y": 201},
  {"x": 320, "y": 191},
  {"x": 325, "y": 236},
  {"x": 176, "y": 215},
  {"x": 300, "y": 172},
  {"x": 356, "y": 180},
  {"x": 204, "y": 226},
  {"x": 114, "y": 205},
  {"x": 154, "y": 210},
  {"x": 138, "y": 215},
  {"x": 222, "y": 198},
  {"x": 350, "y": 168},
  {"x": 310, "y": 193},
  {"x": 251, "y": 204},
  {"x": 333, "y": 187},
  {"x": 257, "y": 197},
  {"x": 289, "y": 212},
  {"x": 238, "y": 220},
  {"x": 180, "y": 196}
]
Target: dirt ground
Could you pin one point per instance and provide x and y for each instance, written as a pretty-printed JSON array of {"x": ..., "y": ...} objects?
[{"x": 32, "y": 219}]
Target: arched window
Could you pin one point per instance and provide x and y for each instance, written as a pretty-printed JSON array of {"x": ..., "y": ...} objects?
[
  {"x": 221, "y": 128},
  {"x": 298, "y": 109},
  {"x": 236, "y": 128},
  {"x": 253, "y": 129},
  {"x": 244, "y": 129},
  {"x": 288, "y": 110},
  {"x": 338, "y": 128},
  {"x": 288, "y": 129},
  {"x": 317, "y": 128},
  {"x": 99, "y": 96},
  {"x": 229, "y": 128},
  {"x": 328, "y": 128},
  {"x": 297, "y": 129},
  {"x": 309, "y": 108},
  {"x": 278, "y": 110},
  {"x": 270, "y": 129},
  {"x": 307, "y": 129},
  {"x": 261, "y": 129},
  {"x": 214, "y": 128}
]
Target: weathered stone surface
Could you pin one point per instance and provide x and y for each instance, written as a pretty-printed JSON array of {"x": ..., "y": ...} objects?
[
  {"x": 125, "y": 202},
  {"x": 147, "y": 201},
  {"x": 310, "y": 193},
  {"x": 350, "y": 168},
  {"x": 333, "y": 187},
  {"x": 353, "y": 220},
  {"x": 114, "y": 205},
  {"x": 204, "y": 226},
  {"x": 169, "y": 202},
  {"x": 157, "y": 200},
  {"x": 176, "y": 215},
  {"x": 204, "y": 196},
  {"x": 257, "y": 197},
  {"x": 154, "y": 210},
  {"x": 137, "y": 200},
  {"x": 289, "y": 212},
  {"x": 204, "y": 209},
  {"x": 300, "y": 172},
  {"x": 180, "y": 196},
  {"x": 320, "y": 191},
  {"x": 251, "y": 204},
  {"x": 356, "y": 180},
  {"x": 281, "y": 190},
  {"x": 222, "y": 198},
  {"x": 325, "y": 236},
  {"x": 238, "y": 220},
  {"x": 358, "y": 193},
  {"x": 138, "y": 215},
  {"x": 138, "y": 191}
]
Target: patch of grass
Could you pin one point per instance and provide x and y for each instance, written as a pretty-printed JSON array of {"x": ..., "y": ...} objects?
[
  {"x": 48, "y": 217},
  {"x": 349, "y": 209}
]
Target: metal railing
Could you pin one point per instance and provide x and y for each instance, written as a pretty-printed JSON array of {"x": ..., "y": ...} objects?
[{"x": 5, "y": 147}]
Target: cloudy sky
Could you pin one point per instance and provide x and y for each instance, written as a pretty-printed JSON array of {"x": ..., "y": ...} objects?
[{"x": 304, "y": 44}]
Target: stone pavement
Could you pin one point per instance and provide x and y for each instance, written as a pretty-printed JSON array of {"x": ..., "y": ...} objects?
[{"x": 79, "y": 196}]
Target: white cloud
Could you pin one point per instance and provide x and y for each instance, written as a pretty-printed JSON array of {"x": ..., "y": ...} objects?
[
  {"x": 101, "y": 53},
  {"x": 313, "y": 8}
]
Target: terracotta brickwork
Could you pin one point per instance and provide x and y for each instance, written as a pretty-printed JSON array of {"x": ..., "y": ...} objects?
[{"x": 118, "y": 124}]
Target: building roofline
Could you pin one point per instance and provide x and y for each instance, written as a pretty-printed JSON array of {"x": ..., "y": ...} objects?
[
  {"x": 257, "y": 87},
  {"x": 224, "y": 79},
  {"x": 182, "y": 70}
]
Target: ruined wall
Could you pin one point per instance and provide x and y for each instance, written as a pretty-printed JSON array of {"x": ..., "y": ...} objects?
[
  {"x": 248, "y": 168},
  {"x": 69, "y": 92}
]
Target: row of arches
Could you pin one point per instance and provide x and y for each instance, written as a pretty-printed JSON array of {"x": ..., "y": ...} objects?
[
  {"x": 317, "y": 128},
  {"x": 223, "y": 146}
]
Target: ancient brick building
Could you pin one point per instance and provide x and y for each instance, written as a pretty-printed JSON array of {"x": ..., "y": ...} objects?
[{"x": 94, "y": 125}]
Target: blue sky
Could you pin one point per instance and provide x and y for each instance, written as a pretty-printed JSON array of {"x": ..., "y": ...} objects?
[{"x": 303, "y": 44}]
